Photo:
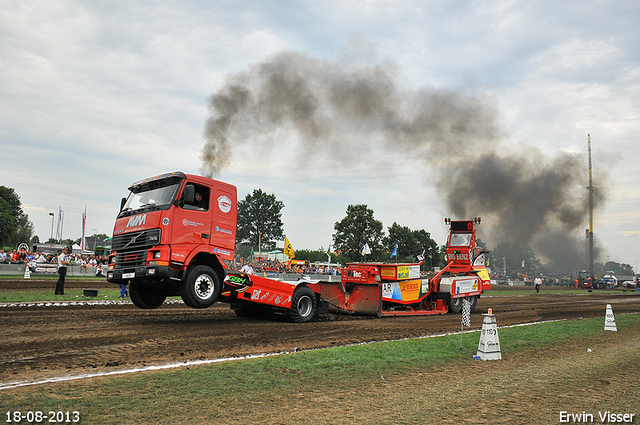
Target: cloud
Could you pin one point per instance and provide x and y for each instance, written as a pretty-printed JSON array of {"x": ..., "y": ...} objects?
[{"x": 110, "y": 92}]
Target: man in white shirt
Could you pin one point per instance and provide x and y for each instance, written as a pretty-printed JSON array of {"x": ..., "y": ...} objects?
[
  {"x": 63, "y": 262},
  {"x": 537, "y": 283},
  {"x": 247, "y": 269}
]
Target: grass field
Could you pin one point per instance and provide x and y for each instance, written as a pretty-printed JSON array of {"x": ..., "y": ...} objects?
[
  {"x": 113, "y": 293},
  {"x": 430, "y": 380}
]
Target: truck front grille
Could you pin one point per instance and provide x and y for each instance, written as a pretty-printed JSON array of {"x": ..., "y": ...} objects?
[{"x": 131, "y": 248}]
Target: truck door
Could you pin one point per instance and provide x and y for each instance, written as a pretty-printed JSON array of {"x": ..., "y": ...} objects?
[
  {"x": 192, "y": 222},
  {"x": 224, "y": 217}
]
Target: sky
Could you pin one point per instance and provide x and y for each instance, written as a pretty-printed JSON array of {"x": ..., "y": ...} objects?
[{"x": 97, "y": 95}]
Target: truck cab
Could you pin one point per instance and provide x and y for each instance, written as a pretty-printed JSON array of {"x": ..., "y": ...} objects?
[{"x": 171, "y": 237}]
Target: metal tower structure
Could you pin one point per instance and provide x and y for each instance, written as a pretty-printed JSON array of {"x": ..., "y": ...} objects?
[{"x": 590, "y": 230}]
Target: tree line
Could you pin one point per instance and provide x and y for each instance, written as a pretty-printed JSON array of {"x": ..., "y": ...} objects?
[
  {"x": 15, "y": 226},
  {"x": 260, "y": 221}
]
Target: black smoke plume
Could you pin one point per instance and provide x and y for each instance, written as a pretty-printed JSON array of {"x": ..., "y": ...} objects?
[{"x": 523, "y": 196}]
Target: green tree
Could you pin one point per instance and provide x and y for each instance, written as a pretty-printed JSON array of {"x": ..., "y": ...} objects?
[
  {"x": 25, "y": 229},
  {"x": 412, "y": 243},
  {"x": 403, "y": 237},
  {"x": 319, "y": 255},
  {"x": 259, "y": 218},
  {"x": 15, "y": 226},
  {"x": 618, "y": 269},
  {"x": 355, "y": 230},
  {"x": 433, "y": 257},
  {"x": 627, "y": 270}
]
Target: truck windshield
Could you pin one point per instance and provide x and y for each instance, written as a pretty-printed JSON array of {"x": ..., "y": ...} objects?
[
  {"x": 460, "y": 239},
  {"x": 154, "y": 195}
]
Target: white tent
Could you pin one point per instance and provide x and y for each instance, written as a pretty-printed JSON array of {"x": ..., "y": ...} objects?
[{"x": 77, "y": 249}]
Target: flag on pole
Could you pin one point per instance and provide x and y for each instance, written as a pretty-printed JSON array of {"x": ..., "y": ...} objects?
[
  {"x": 365, "y": 249},
  {"x": 84, "y": 222},
  {"x": 288, "y": 249},
  {"x": 522, "y": 265},
  {"x": 421, "y": 256},
  {"x": 466, "y": 313},
  {"x": 395, "y": 251},
  {"x": 329, "y": 249},
  {"x": 60, "y": 224}
]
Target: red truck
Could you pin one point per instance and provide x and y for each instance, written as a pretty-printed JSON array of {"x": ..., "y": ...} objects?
[{"x": 175, "y": 236}]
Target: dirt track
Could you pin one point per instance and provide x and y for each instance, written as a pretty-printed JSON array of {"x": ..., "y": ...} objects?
[{"x": 40, "y": 342}]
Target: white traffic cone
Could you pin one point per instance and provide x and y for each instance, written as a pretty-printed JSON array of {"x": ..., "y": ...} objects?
[
  {"x": 609, "y": 320},
  {"x": 489, "y": 346},
  {"x": 27, "y": 272}
]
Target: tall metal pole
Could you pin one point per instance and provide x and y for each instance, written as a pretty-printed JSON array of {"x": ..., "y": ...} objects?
[
  {"x": 590, "y": 188},
  {"x": 51, "y": 237}
]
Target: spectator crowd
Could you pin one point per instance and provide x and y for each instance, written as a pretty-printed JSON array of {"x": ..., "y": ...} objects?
[
  {"x": 274, "y": 266},
  {"x": 24, "y": 257}
]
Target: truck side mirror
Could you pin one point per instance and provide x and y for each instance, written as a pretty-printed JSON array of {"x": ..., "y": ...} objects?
[
  {"x": 188, "y": 195},
  {"x": 122, "y": 202}
]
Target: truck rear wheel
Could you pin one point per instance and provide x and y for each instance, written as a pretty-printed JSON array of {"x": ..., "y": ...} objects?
[
  {"x": 145, "y": 296},
  {"x": 201, "y": 288},
  {"x": 303, "y": 305}
]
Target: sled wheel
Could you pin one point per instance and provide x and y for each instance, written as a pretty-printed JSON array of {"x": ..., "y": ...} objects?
[
  {"x": 455, "y": 305},
  {"x": 201, "y": 288},
  {"x": 145, "y": 296},
  {"x": 474, "y": 302},
  {"x": 303, "y": 305}
]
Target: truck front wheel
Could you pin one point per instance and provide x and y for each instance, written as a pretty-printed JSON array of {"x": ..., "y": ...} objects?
[
  {"x": 303, "y": 305},
  {"x": 201, "y": 288},
  {"x": 145, "y": 296}
]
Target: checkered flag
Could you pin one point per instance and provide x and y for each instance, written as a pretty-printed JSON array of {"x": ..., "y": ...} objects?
[{"x": 466, "y": 313}]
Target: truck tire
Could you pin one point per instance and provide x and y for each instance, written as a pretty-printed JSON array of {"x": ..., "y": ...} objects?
[
  {"x": 455, "y": 305},
  {"x": 145, "y": 296},
  {"x": 303, "y": 305},
  {"x": 201, "y": 288}
]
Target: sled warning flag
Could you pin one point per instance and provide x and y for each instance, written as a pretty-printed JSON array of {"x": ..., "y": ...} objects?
[{"x": 466, "y": 313}]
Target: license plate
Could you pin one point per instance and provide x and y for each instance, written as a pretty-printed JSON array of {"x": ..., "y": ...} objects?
[{"x": 128, "y": 275}]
